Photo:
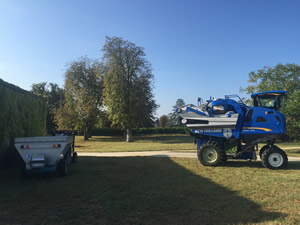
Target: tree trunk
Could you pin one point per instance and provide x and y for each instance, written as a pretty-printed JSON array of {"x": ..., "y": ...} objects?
[
  {"x": 129, "y": 135},
  {"x": 86, "y": 131},
  {"x": 124, "y": 135}
]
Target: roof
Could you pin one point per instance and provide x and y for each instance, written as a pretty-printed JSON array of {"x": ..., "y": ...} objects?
[{"x": 270, "y": 93}]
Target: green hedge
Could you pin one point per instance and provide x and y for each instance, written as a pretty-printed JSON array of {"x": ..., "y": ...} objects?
[
  {"x": 140, "y": 131},
  {"x": 22, "y": 114}
]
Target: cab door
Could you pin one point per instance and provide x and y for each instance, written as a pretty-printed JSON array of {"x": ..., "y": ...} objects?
[{"x": 260, "y": 120}]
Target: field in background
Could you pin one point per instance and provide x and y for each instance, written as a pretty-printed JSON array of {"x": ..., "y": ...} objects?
[
  {"x": 154, "y": 191},
  {"x": 154, "y": 143}
]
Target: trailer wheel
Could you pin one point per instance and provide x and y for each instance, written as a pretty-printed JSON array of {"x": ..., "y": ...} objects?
[
  {"x": 62, "y": 168},
  {"x": 211, "y": 154},
  {"x": 274, "y": 158},
  {"x": 74, "y": 157},
  {"x": 68, "y": 157}
]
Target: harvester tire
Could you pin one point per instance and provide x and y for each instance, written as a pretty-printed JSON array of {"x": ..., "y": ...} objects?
[
  {"x": 62, "y": 168},
  {"x": 274, "y": 158},
  {"x": 262, "y": 150},
  {"x": 211, "y": 154}
]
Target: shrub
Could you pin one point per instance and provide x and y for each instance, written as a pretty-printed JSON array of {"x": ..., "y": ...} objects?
[{"x": 22, "y": 114}]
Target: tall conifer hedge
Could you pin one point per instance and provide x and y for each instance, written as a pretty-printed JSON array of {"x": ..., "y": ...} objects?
[{"x": 22, "y": 114}]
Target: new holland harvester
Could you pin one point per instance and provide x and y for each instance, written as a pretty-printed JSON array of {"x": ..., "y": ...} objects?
[{"x": 229, "y": 129}]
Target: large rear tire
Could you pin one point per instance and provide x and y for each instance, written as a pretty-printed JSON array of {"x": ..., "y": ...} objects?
[
  {"x": 211, "y": 154},
  {"x": 274, "y": 158}
]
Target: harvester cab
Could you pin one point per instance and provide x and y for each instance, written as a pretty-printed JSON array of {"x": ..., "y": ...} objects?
[
  {"x": 220, "y": 123},
  {"x": 265, "y": 119},
  {"x": 271, "y": 99}
]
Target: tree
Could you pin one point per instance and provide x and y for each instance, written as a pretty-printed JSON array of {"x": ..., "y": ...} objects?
[
  {"x": 163, "y": 121},
  {"x": 83, "y": 96},
  {"x": 54, "y": 96},
  {"x": 103, "y": 121},
  {"x": 280, "y": 77},
  {"x": 128, "y": 82},
  {"x": 174, "y": 119}
]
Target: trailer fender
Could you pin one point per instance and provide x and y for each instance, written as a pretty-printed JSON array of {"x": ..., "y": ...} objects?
[{"x": 61, "y": 156}]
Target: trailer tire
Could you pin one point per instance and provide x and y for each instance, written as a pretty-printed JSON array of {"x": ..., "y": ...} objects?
[
  {"x": 68, "y": 157},
  {"x": 62, "y": 168},
  {"x": 74, "y": 157},
  {"x": 274, "y": 158},
  {"x": 211, "y": 154}
]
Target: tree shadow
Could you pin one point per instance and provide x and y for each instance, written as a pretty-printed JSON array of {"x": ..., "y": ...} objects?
[
  {"x": 132, "y": 190},
  {"x": 293, "y": 165},
  {"x": 243, "y": 163}
]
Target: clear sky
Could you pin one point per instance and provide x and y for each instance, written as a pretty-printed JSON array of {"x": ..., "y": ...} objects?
[{"x": 196, "y": 48}]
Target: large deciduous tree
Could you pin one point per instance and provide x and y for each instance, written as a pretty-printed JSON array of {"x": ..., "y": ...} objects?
[
  {"x": 83, "y": 95},
  {"x": 280, "y": 77},
  {"x": 54, "y": 96},
  {"x": 128, "y": 82}
]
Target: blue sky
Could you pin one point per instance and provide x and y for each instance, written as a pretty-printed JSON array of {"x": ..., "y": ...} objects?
[{"x": 196, "y": 48}]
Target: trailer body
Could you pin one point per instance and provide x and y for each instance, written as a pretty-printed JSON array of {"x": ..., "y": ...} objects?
[{"x": 48, "y": 153}]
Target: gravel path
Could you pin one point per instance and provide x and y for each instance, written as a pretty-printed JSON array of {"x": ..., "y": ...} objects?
[{"x": 153, "y": 154}]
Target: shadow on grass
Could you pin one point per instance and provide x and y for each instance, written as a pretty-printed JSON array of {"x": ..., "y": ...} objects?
[
  {"x": 293, "y": 166},
  {"x": 243, "y": 163},
  {"x": 133, "y": 190}
]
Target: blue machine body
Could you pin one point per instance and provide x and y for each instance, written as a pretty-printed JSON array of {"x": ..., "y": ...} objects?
[{"x": 262, "y": 122}]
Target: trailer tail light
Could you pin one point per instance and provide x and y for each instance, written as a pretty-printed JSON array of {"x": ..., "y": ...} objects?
[
  {"x": 56, "y": 146},
  {"x": 27, "y": 147}
]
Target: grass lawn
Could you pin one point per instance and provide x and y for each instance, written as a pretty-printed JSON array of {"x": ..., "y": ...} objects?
[
  {"x": 141, "y": 143},
  {"x": 155, "y": 143},
  {"x": 291, "y": 148},
  {"x": 156, "y": 191}
]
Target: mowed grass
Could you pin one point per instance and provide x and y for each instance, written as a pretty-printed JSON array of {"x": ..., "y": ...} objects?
[
  {"x": 141, "y": 143},
  {"x": 155, "y": 143},
  {"x": 291, "y": 148},
  {"x": 154, "y": 191}
]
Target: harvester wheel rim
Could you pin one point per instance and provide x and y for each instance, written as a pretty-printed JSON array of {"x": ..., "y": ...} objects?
[
  {"x": 275, "y": 159},
  {"x": 210, "y": 155}
]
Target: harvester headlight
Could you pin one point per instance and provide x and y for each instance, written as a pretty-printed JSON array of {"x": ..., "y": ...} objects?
[{"x": 184, "y": 121}]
